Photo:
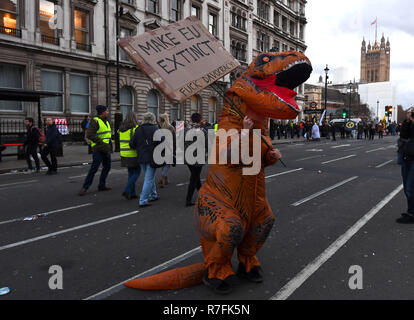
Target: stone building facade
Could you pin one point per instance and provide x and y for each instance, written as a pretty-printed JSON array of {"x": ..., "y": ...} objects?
[
  {"x": 69, "y": 47},
  {"x": 375, "y": 61}
]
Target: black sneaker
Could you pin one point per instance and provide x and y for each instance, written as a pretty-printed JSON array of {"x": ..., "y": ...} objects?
[
  {"x": 217, "y": 285},
  {"x": 255, "y": 275},
  {"x": 406, "y": 219}
]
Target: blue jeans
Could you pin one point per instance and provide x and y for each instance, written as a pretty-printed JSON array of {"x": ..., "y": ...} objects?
[
  {"x": 407, "y": 172},
  {"x": 97, "y": 159},
  {"x": 165, "y": 169},
  {"x": 149, "y": 191},
  {"x": 133, "y": 175}
]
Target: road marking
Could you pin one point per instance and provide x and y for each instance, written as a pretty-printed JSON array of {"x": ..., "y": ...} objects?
[
  {"x": 353, "y": 149},
  {"x": 118, "y": 287},
  {"x": 375, "y": 150},
  {"x": 20, "y": 243},
  {"x": 315, "y": 150},
  {"x": 341, "y": 146},
  {"x": 322, "y": 191},
  {"x": 186, "y": 183},
  {"x": 17, "y": 183},
  {"x": 352, "y": 155},
  {"x": 282, "y": 173},
  {"x": 311, "y": 268},
  {"x": 384, "y": 164},
  {"x": 308, "y": 158},
  {"x": 47, "y": 213},
  {"x": 80, "y": 176}
]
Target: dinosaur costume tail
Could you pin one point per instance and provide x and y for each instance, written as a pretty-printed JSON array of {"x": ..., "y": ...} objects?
[{"x": 170, "y": 280}]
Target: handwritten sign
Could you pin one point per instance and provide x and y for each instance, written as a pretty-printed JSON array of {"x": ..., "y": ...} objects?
[{"x": 181, "y": 58}]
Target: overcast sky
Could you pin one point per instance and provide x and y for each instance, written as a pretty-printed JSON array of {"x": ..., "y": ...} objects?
[{"x": 336, "y": 28}]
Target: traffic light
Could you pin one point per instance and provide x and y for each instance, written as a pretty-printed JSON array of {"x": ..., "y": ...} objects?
[
  {"x": 386, "y": 110},
  {"x": 344, "y": 113},
  {"x": 390, "y": 110}
]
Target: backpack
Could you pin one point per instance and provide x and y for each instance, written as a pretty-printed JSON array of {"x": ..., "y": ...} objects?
[{"x": 42, "y": 137}]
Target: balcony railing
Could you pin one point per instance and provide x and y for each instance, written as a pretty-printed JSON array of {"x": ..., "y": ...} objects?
[
  {"x": 11, "y": 32},
  {"x": 52, "y": 40},
  {"x": 84, "y": 46}
]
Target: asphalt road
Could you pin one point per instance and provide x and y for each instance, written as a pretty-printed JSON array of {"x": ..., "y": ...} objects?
[{"x": 335, "y": 205}]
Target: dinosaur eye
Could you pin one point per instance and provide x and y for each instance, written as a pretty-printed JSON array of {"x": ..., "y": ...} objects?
[{"x": 266, "y": 59}]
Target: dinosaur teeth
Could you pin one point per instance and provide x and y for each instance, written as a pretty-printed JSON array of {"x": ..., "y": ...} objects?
[
  {"x": 293, "y": 64},
  {"x": 292, "y": 107}
]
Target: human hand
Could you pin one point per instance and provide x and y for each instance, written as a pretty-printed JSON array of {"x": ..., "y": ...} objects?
[
  {"x": 247, "y": 123},
  {"x": 275, "y": 154}
]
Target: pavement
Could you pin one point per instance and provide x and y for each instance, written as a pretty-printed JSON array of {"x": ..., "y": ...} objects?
[{"x": 335, "y": 205}]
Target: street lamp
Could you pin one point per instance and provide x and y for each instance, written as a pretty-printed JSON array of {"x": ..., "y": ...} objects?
[
  {"x": 377, "y": 109},
  {"x": 350, "y": 86},
  {"x": 326, "y": 86}
]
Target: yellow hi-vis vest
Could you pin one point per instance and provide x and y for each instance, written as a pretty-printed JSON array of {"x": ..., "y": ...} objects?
[
  {"x": 104, "y": 132},
  {"x": 124, "y": 139},
  {"x": 216, "y": 127}
]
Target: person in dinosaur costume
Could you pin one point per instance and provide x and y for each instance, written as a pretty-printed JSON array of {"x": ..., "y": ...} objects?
[{"x": 232, "y": 211}]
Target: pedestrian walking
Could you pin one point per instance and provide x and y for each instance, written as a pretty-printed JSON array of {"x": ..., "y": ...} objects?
[
  {"x": 99, "y": 134},
  {"x": 144, "y": 144},
  {"x": 406, "y": 160},
  {"x": 164, "y": 123},
  {"x": 30, "y": 144},
  {"x": 315, "y": 133},
  {"x": 129, "y": 158},
  {"x": 51, "y": 146},
  {"x": 333, "y": 130},
  {"x": 195, "y": 168}
]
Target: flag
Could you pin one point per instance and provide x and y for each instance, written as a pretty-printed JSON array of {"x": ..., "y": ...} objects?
[
  {"x": 323, "y": 115},
  {"x": 374, "y": 22}
]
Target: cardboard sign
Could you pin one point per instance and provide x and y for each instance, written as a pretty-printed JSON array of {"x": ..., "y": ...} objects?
[
  {"x": 181, "y": 59},
  {"x": 62, "y": 126}
]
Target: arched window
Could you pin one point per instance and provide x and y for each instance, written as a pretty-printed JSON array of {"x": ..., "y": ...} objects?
[
  {"x": 126, "y": 99},
  {"x": 175, "y": 112},
  {"x": 195, "y": 104},
  {"x": 212, "y": 110},
  {"x": 153, "y": 102}
]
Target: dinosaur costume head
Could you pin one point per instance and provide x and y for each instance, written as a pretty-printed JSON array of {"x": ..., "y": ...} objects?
[{"x": 267, "y": 85}]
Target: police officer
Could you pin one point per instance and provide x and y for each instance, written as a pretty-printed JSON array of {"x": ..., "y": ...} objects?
[{"x": 99, "y": 134}]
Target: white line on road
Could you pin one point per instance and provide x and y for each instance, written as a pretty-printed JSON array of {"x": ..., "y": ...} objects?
[
  {"x": 186, "y": 183},
  {"x": 50, "y": 212},
  {"x": 311, "y": 268},
  {"x": 352, "y": 155},
  {"x": 20, "y": 243},
  {"x": 110, "y": 291},
  {"x": 384, "y": 164},
  {"x": 308, "y": 158},
  {"x": 282, "y": 173},
  {"x": 17, "y": 183},
  {"x": 375, "y": 150},
  {"x": 353, "y": 149},
  {"x": 341, "y": 146},
  {"x": 322, "y": 191}
]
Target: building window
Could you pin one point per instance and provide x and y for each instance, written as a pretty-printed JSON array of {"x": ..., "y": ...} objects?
[
  {"x": 284, "y": 47},
  {"x": 126, "y": 100},
  {"x": 238, "y": 50},
  {"x": 238, "y": 20},
  {"x": 284, "y": 24},
  {"x": 175, "y": 112},
  {"x": 153, "y": 102},
  {"x": 262, "y": 42},
  {"x": 46, "y": 16},
  {"x": 212, "y": 23},
  {"x": 124, "y": 33},
  {"x": 196, "y": 11},
  {"x": 276, "y": 18},
  {"x": 11, "y": 77},
  {"x": 52, "y": 81},
  {"x": 82, "y": 30},
  {"x": 195, "y": 104},
  {"x": 176, "y": 10},
  {"x": 9, "y": 17},
  {"x": 79, "y": 93},
  {"x": 301, "y": 33},
  {"x": 153, "y": 6},
  {"x": 263, "y": 10},
  {"x": 212, "y": 110},
  {"x": 276, "y": 46}
]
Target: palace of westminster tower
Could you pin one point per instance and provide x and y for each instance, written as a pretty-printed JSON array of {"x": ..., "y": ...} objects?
[{"x": 375, "y": 61}]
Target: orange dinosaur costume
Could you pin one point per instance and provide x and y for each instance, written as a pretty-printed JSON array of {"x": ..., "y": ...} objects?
[{"x": 232, "y": 211}]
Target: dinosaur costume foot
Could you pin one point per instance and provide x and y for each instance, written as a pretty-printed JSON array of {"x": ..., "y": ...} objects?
[
  {"x": 218, "y": 286},
  {"x": 254, "y": 275}
]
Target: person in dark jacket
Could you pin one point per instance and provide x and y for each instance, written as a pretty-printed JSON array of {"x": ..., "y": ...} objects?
[
  {"x": 406, "y": 159},
  {"x": 144, "y": 143},
  {"x": 51, "y": 146},
  {"x": 196, "y": 168},
  {"x": 99, "y": 134},
  {"x": 31, "y": 143}
]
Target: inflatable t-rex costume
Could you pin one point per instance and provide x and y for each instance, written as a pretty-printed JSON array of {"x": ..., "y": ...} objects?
[{"x": 232, "y": 210}]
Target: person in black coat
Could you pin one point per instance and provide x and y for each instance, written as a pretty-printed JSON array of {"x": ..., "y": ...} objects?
[
  {"x": 406, "y": 160},
  {"x": 51, "y": 146},
  {"x": 31, "y": 143}
]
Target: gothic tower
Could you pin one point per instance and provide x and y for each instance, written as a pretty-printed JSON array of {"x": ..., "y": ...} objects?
[{"x": 375, "y": 61}]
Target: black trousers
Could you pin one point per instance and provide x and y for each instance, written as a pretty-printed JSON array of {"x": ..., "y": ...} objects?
[
  {"x": 195, "y": 181},
  {"x": 32, "y": 151},
  {"x": 52, "y": 151}
]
